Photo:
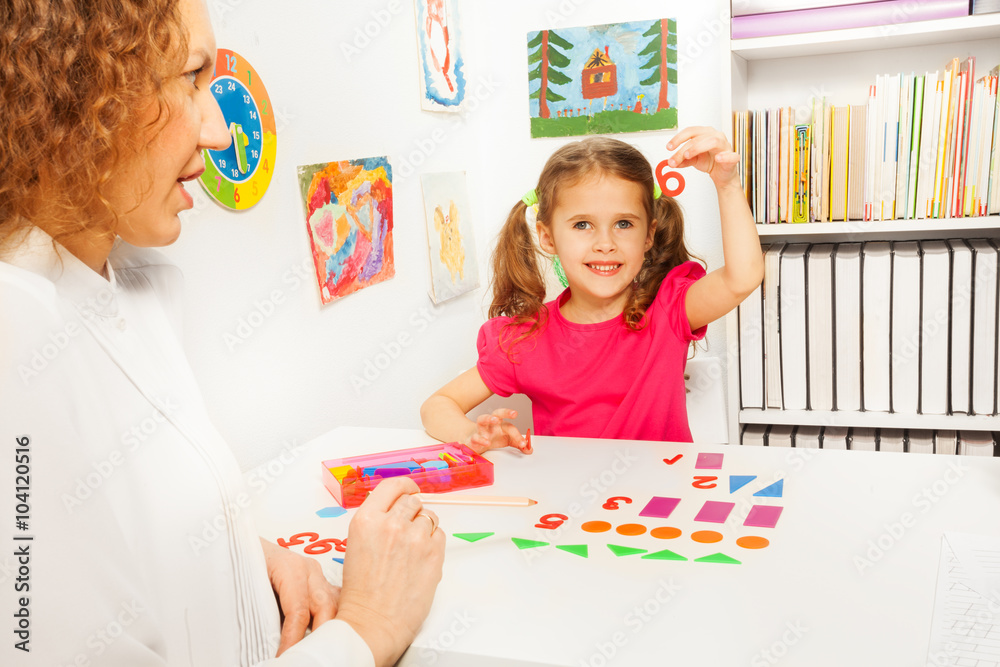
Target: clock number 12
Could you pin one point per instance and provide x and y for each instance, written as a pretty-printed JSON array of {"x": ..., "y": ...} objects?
[{"x": 231, "y": 63}]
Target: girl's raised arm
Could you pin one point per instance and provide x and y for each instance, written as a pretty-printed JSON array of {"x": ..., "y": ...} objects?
[
  {"x": 707, "y": 150},
  {"x": 443, "y": 416}
]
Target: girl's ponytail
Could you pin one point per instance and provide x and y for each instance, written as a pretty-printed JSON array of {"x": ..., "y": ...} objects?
[
  {"x": 668, "y": 251},
  {"x": 518, "y": 285}
]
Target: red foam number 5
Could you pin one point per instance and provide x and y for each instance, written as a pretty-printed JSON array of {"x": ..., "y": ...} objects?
[
  {"x": 297, "y": 539},
  {"x": 612, "y": 503},
  {"x": 551, "y": 521}
]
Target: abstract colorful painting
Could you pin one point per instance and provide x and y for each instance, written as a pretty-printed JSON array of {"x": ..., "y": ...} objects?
[
  {"x": 454, "y": 268},
  {"x": 603, "y": 79},
  {"x": 349, "y": 216},
  {"x": 442, "y": 82}
]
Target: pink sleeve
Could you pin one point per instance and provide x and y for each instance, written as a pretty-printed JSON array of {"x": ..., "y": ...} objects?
[
  {"x": 670, "y": 299},
  {"x": 494, "y": 366}
]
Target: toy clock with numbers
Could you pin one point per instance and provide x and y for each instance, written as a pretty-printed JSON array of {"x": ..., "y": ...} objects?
[{"x": 238, "y": 177}]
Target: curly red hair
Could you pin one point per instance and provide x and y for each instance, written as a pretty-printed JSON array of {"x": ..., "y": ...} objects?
[{"x": 76, "y": 77}]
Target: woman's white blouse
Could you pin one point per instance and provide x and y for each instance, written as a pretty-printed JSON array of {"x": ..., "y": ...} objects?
[{"x": 136, "y": 549}]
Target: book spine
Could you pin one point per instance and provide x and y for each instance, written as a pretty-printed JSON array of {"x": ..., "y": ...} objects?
[{"x": 886, "y": 12}]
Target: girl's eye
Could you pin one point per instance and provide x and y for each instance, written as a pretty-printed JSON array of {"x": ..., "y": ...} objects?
[
  {"x": 581, "y": 224},
  {"x": 192, "y": 76},
  {"x": 623, "y": 224}
]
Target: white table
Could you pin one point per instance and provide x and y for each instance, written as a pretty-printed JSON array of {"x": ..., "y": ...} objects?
[{"x": 848, "y": 578}]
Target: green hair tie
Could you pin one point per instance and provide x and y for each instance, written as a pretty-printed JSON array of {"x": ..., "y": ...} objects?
[
  {"x": 558, "y": 268},
  {"x": 657, "y": 192},
  {"x": 530, "y": 198}
]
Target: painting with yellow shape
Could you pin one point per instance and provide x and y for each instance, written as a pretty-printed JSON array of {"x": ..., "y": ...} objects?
[
  {"x": 450, "y": 237},
  {"x": 348, "y": 209}
]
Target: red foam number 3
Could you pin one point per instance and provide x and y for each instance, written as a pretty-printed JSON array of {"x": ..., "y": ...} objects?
[
  {"x": 551, "y": 521},
  {"x": 704, "y": 482},
  {"x": 612, "y": 503}
]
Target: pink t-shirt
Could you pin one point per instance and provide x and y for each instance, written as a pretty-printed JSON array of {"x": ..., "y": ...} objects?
[{"x": 601, "y": 380}]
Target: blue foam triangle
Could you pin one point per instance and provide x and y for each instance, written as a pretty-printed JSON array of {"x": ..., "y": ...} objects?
[
  {"x": 339, "y": 560},
  {"x": 739, "y": 481},
  {"x": 773, "y": 491}
]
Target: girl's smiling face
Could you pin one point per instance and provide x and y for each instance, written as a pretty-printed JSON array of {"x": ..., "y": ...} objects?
[{"x": 601, "y": 232}]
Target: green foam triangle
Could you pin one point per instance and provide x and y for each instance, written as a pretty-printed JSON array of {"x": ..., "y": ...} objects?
[
  {"x": 578, "y": 549},
  {"x": 472, "y": 537},
  {"x": 526, "y": 544},
  {"x": 625, "y": 551},
  {"x": 717, "y": 558},
  {"x": 666, "y": 554}
]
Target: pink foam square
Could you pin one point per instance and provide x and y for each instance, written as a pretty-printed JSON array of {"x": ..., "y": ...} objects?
[
  {"x": 715, "y": 511},
  {"x": 709, "y": 462},
  {"x": 763, "y": 516},
  {"x": 659, "y": 507}
]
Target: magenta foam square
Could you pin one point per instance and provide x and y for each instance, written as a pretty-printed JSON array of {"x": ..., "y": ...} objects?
[
  {"x": 714, "y": 511},
  {"x": 763, "y": 516},
  {"x": 659, "y": 507},
  {"x": 709, "y": 462}
]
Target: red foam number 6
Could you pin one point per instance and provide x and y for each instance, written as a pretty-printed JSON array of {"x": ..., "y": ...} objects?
[
  {"x": 612, "y": 503},
  {"x": 551, "y": 521},
  {"x": 662, "y": 177}
]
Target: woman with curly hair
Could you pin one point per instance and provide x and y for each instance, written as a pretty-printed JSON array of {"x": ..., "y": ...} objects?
[{"x": 132, "y": 543}]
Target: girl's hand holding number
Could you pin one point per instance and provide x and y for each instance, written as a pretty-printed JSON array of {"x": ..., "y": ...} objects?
[
  {"x": 706, "y": 149},
  {"x": 492, "y": 432}
]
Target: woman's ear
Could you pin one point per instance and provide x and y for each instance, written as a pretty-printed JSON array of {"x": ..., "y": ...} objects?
[
  {"x": 545, "y": 238},
  {"x": 650, "y": 233}
]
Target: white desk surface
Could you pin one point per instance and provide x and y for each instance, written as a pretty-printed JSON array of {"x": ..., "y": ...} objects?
[{"x": 848, "y": 578}]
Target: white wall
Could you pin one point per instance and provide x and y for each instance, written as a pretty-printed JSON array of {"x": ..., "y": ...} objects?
[{"x": 291, "y": 378}]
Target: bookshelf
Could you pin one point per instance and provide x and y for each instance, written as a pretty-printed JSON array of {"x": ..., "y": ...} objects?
[{"x": 790, "y": 70}]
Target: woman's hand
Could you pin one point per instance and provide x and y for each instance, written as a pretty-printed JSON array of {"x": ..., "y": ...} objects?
[
  {"x": 706, "y": 149},
  {"x": 306, "y": 598},
  {"x": 492, "y": 432},
  {"x": 391, "y": 568}
]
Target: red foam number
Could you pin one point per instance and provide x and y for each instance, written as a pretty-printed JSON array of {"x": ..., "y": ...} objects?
[
  {"x": 704, "y": 482},
  {"x": 612, "y": 503},
  {"x": 297, "y": 539},
  {"x": 674, "y": 460},
  {"x": 323, "y": 546},
  {"x": 663, "y": 177},
  {"x": 551, "y": 521}
]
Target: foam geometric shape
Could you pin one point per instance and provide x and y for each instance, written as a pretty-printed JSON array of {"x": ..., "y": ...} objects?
[
  {"x": 718, "y": 558},
  {"x": 763, "y": 516},
  {"x": 708, "y": 461},
  {"x": 527, "y": 544},
  {"x": 339, "y": 560},
  {"x": 666, "y": 554},
  {"x": 715, "y": 511},
  {"x": 625, "y": 551},
  {"x": 577, "y": 549},
  {"x": 772, "y": 491},
  {"x": 330, "y": 512},
  {"x": 737, "y": 482},
  {"x": 660, "y": 507},
  {"x": 472, "y": 537}
]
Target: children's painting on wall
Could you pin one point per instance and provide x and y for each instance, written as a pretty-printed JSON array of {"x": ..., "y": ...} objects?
[
  {"x": 454, "y": 269},
  {"x": 603, "y": 79},
  {"x": 442, "y": 82},
  {"x": 349, "y": 216}
]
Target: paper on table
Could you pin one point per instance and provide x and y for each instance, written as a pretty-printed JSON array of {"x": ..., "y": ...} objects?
[{"x": 966, "y": 622}]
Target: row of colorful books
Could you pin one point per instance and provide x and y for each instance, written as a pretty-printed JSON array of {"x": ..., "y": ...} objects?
[
  {"x": 922, "y": 146},
  {"x": 903, "y": 327},
  {"x": 917, "y": 441},
  {"x": 766, "y": 18}
]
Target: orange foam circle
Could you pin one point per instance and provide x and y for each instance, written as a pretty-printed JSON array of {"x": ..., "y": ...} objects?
[
  {"x": 631, "y": 529},
  {"x": 752, "y": 542},
  {"x": 706, "y": 536},
  {"x": 596, "y": 526},
  {"x": 665, "y": 532}
]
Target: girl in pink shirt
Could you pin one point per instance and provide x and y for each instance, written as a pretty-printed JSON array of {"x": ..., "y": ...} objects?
[{"x": 606, "y": 358}]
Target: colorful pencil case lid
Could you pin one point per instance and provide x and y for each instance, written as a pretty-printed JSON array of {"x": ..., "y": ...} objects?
[{"x": 435, "y": 469}]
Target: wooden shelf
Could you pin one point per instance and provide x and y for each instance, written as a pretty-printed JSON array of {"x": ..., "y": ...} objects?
[
  {"x": 871, "y": 420},
  {"x": 900, "y": 35},
  {"x": 886, "y": 230}
]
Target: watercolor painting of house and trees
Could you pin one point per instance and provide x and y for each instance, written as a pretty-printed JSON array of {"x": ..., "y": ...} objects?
[{"x": 603, "y": 79}]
